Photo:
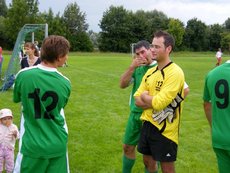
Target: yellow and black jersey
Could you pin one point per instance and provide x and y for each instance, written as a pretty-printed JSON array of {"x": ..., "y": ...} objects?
[{"x": 164, "y": 85}]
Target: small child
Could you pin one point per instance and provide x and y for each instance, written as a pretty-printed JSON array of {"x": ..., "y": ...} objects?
[{"x": 8, "y": 135}]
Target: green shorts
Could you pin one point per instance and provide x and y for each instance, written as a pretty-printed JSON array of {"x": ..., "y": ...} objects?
[
  {"x": 133, "y": 129},
  {"x": 27, "y": 164},
  {"x": 223, "y": 159}
]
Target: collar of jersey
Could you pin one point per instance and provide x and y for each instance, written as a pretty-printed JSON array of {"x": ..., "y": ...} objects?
[
  {"x": 154, "y": 62},
  {"x": 51, "y": 69}
]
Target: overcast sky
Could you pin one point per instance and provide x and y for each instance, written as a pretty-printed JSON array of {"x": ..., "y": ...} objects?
[{"x": 208, "y": 11}]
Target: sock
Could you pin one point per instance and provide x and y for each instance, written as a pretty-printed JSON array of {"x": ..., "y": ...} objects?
[
  {"x": 127, "y": 164},
  {"x": 146, "y": 170}
]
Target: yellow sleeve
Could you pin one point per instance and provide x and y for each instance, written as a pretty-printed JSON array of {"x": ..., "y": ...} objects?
[{"x": 173, "y": 84}]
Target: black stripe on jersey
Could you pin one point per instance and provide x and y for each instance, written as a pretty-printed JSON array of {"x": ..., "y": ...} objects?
[{"x": 162, "y": 72}]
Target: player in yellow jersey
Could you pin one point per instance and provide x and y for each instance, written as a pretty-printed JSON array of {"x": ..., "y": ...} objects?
[{"x": 160, "y": 95}]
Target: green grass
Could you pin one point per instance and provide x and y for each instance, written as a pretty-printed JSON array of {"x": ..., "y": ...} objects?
[{"x": 98, "y": 110}]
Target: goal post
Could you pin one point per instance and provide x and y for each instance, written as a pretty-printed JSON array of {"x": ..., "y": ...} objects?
[{"x": 14, "y": 63}]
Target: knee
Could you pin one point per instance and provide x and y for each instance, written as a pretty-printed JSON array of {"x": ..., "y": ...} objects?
[
  {"x": 150, "y": 165},
  {"x": 128, "y": 149}
]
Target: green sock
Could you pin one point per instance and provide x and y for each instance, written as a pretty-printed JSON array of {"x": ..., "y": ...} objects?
[
  {"x": 127, "y": 164},
  {"x": 146, "y": 170}
]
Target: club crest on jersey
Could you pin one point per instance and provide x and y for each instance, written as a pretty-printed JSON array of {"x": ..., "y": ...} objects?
[{"x": 158, "y": 85}]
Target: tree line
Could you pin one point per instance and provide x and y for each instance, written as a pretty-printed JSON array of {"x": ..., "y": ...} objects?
[{"x": 119, "y": 28}]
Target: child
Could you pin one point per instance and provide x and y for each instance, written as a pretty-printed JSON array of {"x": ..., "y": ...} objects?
[
  {"x": 8, "y": 135},
  {"x": 44, "y": 92}
]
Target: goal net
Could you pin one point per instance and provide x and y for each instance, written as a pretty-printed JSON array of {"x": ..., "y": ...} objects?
[{"x": 14, "y": 63}]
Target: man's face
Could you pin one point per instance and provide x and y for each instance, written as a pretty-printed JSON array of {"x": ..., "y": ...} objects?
[
  {"x": 158, "y": 49},
  {"x": 144, "y": 54}
]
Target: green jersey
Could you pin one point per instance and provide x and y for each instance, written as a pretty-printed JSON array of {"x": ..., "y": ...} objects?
[
  {"x": 43, "y": 92},
  {"x": 216, "y": 91},
  {"x": 136, "y": 79}
]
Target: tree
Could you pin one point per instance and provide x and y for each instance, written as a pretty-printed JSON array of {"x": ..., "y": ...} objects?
[
  {"x": 177, "y": 30},
  {"x": 196, "y": 37},
  {"x": 227, "y": 24},
  {"x": 225, "y": 41},
  {"x": 28, "y": 10},
  {"x": 3, "y": 37},
  {"x": 76, "y": 27},
  {"x": 94, "y": 38},
  {"x": 157, "y": 20},
  {"x": 74, "y": 19},
  {"x": 80, "y": 42},
  {"x": 3, "y": 8},
  {"x": 56, "y": 23},
  {"x": 215, "y": 36},
  {"x": 139, "y": 26},
  {"x": 116, "y": 34}
]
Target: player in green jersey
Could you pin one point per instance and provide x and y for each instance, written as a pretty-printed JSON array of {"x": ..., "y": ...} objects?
[
  {"x": 217, "y": 111},
  {"x": 133, "y": 75},
  {"x": 43, "y": 93}
]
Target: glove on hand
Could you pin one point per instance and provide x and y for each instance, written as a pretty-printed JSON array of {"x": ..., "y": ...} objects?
[{"x": 160, "y": 116}]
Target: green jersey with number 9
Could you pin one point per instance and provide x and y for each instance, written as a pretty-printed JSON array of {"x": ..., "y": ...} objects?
[
  {"x": 216, "y": 91},
  {"x": 43, "y": 92}
]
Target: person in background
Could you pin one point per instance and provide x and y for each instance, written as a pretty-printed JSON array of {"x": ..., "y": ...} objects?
[
  {"x": 133, "y": 75},
  {"x": 44, "y": 92},
  {"x": 37, "y": 47},
  {"x": 8, "y": 135},
  {"x": 32, "y": 56},
  {"x": 219, "y": 57},
  {"x": 217, "y": 111},
  {"x": 161, "y": 95}
]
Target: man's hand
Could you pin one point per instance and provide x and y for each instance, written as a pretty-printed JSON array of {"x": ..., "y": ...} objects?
[{"x": 160, "y": 116}]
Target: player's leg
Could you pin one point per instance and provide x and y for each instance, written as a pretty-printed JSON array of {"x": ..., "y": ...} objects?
[
  {"x": 131, "y": 138},
  {"x": 163, "y": 150},
  {"x": 58, "y": 165},
  {"x": 144, "y": 148},
  {"x": 223, "y": 159},
  {"x": 27, "y": 164}
]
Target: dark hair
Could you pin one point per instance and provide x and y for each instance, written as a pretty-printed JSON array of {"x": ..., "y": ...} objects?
[
  {"x": 142, "y": 43},
  {"x": 169, "y": 40},
  {"x": 54, "y": 47},
  {"x": 32, "y": 46}
]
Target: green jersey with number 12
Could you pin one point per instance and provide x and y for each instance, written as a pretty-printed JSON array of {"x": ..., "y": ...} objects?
[{"x": 43, "y": 92}]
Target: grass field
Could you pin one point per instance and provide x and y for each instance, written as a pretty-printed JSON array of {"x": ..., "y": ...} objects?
[{"x": 98, "y": 110}]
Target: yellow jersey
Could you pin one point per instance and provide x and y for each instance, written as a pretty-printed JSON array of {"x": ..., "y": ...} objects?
[{"x": 164, "y": 85}]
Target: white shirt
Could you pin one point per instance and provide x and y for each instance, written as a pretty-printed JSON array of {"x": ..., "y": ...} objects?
[
  {"x": 6, "y": 135},
  {"x": 218, "y": 54}
]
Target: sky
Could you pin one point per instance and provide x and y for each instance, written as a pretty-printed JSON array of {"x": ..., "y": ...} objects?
[{"x": 208, "y": 11}]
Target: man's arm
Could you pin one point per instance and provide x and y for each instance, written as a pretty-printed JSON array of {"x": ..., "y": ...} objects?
[
  {"x": 127, "y": 76},
  {"x": 208, "y": 112},
  {"x": 144, "y": 101}
]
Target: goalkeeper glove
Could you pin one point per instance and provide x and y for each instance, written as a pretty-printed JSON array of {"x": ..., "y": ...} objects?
[{"x": 160, "y": 116}]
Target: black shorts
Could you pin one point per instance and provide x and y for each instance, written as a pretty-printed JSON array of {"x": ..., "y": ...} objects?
[{"x": 153, "y": 143}]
